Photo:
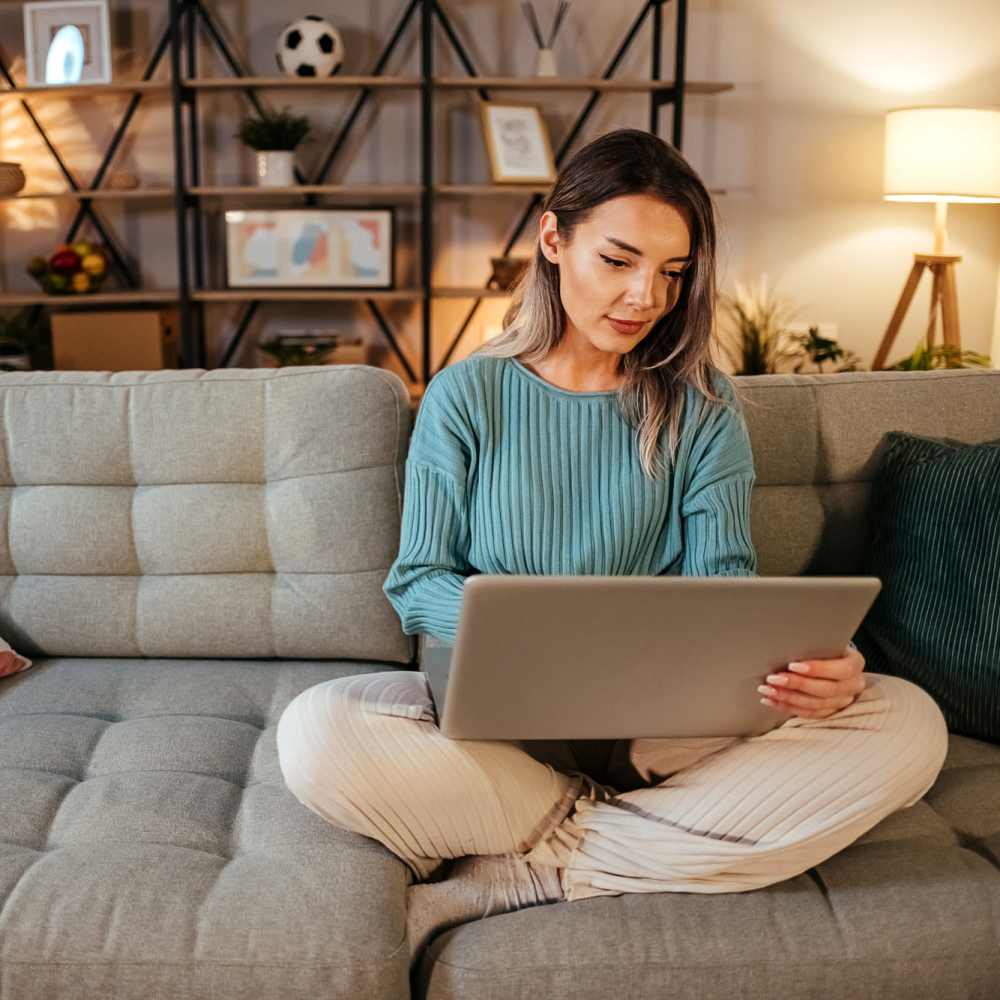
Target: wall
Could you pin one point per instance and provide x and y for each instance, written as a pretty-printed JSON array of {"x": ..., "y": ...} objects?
[{"x": 797, "y": 146}]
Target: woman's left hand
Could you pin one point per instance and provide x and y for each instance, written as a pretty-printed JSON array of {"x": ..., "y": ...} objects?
[{"x": 816, "y": 689}]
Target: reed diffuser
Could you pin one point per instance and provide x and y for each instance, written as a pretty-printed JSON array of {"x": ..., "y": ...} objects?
[{"x": 546, "y": 58}]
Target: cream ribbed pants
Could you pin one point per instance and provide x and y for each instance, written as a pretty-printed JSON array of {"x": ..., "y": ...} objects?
[{"x": 723, "y": 814}]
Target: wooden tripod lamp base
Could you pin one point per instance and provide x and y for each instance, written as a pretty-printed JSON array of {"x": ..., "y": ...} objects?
[{"x": 943, "y": 295}]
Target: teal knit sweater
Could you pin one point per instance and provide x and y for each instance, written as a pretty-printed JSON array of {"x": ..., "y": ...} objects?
[{"x": 507, "y": 473}]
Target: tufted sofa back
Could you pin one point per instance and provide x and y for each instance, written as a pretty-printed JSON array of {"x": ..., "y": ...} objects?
[
  {"x": 225, "y": 513},
  {"x": 817, "y": 442}
]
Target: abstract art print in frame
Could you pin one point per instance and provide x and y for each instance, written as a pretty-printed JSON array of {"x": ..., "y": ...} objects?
[{"x": 310, "y": 248}]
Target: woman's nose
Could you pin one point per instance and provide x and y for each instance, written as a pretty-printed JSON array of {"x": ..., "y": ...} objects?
[{"x": 642, "y": 291}]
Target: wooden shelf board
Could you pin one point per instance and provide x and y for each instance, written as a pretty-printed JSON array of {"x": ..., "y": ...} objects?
[
  {"x": 97, "y": 298},
  {"x": 480, "y": 190},
  {"x": 101, "y": 194},
  {"x": 469, "y": 293},
  {"x": 302, "y": 83},
  {"x": 347, "y": 190},
  {"x": 91, "y": 89},
  {"x": 305, "y": 295},
  {"x": 573, "y": 83},
  {"x": 487, "y": 190}
]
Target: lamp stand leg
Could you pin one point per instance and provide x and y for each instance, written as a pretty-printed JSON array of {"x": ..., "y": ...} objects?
[
  {"x": 943, "y": 292},
  {"x": 897, "y": 317}
]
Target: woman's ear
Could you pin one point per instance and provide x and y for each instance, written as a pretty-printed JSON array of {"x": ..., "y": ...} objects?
[{"x": 548, "y": 237}]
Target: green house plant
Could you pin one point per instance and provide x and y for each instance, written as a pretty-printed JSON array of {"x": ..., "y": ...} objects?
[
  {"x": 758, "y": 339},
  {"x": 925, "y": 358},
  {"x": 274, "y": 136}
]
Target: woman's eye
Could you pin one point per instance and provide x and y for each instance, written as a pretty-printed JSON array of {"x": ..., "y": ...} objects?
[{"x": 619, "y": 264}]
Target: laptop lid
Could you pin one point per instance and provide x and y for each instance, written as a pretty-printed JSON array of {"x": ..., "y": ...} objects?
[{"x": 611, "y": 657}]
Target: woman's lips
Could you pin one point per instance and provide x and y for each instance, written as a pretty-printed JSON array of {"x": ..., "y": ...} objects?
[{"x": 624, "y": 327}]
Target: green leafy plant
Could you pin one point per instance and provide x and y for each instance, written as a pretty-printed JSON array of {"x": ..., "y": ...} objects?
[
  {"x": 759, "y": 339},
  {"x": 817, "y": 349},
  {"x": 271, "y": 131},
  {"x": 925, "y": 358}
]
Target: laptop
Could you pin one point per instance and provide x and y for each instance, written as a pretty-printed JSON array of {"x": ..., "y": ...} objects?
[{"x": 611, "y": 657}]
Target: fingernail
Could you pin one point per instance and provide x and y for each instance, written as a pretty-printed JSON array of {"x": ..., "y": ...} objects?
[
  {"x": 777, "y": 679},
  {"x": 799, "y": 668}
]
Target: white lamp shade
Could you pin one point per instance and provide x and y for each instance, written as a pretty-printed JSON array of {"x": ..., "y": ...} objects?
[{"x": 942, "y": 154}]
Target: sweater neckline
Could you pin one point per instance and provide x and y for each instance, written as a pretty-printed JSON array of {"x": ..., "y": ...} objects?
[{"x": 528, "y": 373}]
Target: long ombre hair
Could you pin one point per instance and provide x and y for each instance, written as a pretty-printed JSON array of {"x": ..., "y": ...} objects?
[{"x": 677, "y": 351}]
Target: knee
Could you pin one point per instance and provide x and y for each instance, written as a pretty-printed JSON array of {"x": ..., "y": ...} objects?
[
  {"x": 313, "y": 737},
  {"x": 915, "y": 724},
  {"x": 325, "y": 731}
]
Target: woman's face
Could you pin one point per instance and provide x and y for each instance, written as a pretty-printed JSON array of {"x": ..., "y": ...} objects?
[{"x": 625, "y": 263}]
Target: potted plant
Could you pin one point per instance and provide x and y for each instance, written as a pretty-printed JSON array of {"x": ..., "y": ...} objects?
[
  {"x": 925, "y": 358},
  {"x": 274, "y": 136},
  {"x": 818, "y": 349},
  {"x": 759, "y": 321}
]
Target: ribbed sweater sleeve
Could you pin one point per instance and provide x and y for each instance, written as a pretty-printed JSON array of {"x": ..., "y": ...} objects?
[
  {"x": 424, "y": 584},
  {"x": 715, "y": 508}
]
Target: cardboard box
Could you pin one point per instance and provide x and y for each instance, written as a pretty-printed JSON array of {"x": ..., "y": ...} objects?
[{"x": 138, "y": 340}]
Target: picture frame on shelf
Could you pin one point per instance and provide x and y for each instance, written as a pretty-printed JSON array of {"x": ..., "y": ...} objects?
[
  {"x": 348, "y": 248},
  {"x": 67, "y": 42},
  {"x": 517, "y": 143}
]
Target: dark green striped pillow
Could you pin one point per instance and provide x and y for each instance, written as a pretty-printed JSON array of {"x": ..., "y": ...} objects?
[{"x": 935, "y": 545}]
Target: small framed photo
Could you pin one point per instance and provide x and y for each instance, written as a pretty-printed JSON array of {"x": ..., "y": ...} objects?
[
  {"x": 517, "y": 143},
  {"x": 67, "y": 42},
  {"x": 311, "y": 248}
]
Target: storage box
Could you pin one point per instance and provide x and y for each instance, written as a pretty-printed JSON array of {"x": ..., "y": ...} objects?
[{"x": 138, "y": 340}]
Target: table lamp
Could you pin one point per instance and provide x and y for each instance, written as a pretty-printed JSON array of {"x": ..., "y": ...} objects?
[{"x": 938, "y": 154}]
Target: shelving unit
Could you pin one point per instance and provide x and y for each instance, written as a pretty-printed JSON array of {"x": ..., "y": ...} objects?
[{"x": 192, "y": 198}]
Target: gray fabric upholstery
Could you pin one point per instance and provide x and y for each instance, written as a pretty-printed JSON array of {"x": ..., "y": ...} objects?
[
  {"x": 186, "y": 551},
  {"x": 912, "y": 908},
  {"x": 150, "y": 849},
  {"x": 228, "y": 513}
]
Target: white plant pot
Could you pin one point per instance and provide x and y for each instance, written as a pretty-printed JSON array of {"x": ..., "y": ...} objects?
[{"x": 275, "y": 168}]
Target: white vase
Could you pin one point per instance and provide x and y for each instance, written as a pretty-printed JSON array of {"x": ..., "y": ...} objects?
[
  {"x": 546, "y": 63},
  {"x": 275, "y": 168}
]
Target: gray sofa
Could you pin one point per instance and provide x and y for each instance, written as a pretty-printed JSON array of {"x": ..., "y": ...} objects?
[{"x": 185, "y": 551}]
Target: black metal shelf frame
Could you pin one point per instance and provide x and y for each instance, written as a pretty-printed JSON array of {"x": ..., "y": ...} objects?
[
  {"x": 185, "y": 14},
  {"x": 85, "y": 209},
  {"x": 181, "y": 38}
]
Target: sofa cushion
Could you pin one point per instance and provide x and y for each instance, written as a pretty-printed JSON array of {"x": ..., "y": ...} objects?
[
  {"x": 935, "y": 514},
  {"x": 227, "y": 513},
  {"x": 150, "y": 848},
  {"x": 915, "y": 900}
]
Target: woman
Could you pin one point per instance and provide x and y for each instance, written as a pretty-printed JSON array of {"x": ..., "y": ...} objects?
[{"x": 587, "y": 438}]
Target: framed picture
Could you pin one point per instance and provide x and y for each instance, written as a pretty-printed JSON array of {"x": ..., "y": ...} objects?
[
  {"x": 517, "y": 143},
  {"x": 67, "y": 42},
  {"x": 311, "y": 248}
]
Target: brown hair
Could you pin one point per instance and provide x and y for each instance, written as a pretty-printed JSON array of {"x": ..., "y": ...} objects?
[{"x": 677, "y": 351}]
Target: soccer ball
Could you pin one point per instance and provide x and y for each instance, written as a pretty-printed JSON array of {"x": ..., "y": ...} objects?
[{"x": 310, "y": 47}]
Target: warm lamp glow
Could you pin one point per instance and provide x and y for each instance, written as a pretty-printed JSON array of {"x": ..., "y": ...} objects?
[{"x": 942, "y": 154}]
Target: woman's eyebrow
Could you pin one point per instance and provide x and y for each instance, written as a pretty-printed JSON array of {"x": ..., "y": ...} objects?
[{"x": 628, "y": 248}]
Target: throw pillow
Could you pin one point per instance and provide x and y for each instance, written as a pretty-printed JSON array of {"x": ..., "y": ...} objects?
[
  {"x": 11, "y": 662},
  {"x": 935, "y": 545}
]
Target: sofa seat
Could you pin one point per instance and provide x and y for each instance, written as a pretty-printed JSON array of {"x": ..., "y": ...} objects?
[
  {"x": 909, "y": 910},
  {"x": 149, "y": 846}
]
